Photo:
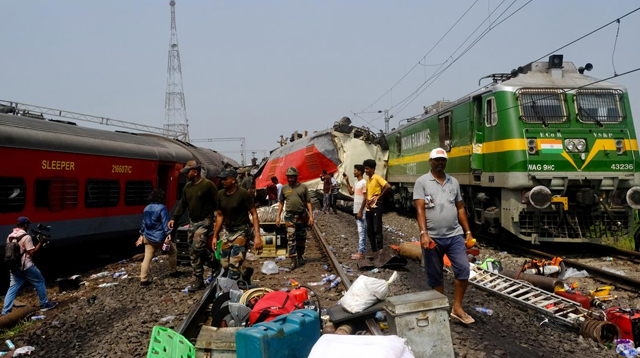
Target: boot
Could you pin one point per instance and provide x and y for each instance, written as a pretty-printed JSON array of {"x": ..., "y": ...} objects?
[
  {"x": 301, "y": 261},
  {"x": 248, "y": 272},
  {"x": 198, "y": 283},
  {"x": 294, "y": 263}
]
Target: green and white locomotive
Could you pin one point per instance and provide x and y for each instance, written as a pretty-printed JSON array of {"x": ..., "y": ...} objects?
[{"x": 544, "y": 152}]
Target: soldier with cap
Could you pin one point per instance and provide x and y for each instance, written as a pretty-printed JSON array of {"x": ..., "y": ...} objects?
[
  {"x": 199, "y": 199},
  {"x": 298, "y": 216},
  {"x": 234, "y": 205},
  {"x": 444, "y": 229},
  {"x": 27, "y": 270}
]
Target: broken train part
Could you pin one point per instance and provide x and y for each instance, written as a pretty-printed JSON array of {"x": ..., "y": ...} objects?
[{"x": 335, "y": 150}]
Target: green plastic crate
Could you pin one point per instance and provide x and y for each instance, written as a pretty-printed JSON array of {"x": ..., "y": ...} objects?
[{"x": 166, "y": 343}]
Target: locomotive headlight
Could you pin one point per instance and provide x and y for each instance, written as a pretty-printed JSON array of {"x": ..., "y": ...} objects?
[
  {"x": 532, "y": 146},
  {"x": 633, "y": 197},
  {"x": 581, "y": 145},
  {"x": 570, "y": 145},
  {"x": 619, "y": 146}
]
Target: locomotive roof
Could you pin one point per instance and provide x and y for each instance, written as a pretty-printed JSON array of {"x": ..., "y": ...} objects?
[
  {"x": 31, "y": 133},
  {"x": 539, "y": 76}
]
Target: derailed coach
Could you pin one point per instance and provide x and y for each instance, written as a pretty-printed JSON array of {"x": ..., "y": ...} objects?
[{"x": 88, "y": 184}]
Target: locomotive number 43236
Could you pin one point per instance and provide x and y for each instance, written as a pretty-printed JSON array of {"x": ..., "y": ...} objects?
[{"x": 622, "y": 166}]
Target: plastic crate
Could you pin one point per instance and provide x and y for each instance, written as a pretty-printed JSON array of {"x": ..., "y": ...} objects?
[{"x": 166, "y": 343}]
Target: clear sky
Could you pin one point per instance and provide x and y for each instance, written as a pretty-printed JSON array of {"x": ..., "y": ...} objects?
[{"x": 260, "y": 69}]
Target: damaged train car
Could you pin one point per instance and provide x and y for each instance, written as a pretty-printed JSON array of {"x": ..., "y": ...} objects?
[{"x": 335, "y": 150}]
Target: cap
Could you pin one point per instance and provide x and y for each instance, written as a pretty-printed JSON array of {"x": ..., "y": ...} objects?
[
  {"x": 23, "y": 220},
  {"x": 438, "y": 153},
  {"x": 292, "y": 171},
  {"x": 192, "y": 164},
  {"x": 228, "y": 173}
]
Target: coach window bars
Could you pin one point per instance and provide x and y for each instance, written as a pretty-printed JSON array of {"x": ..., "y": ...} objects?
[
  {"x": 491, "y": 113},
  {"x": 56, "y": 194},
  {"x": 100, "y": 193},
  {"x": 542, "y": 105},
  {"x": 599, "y": 106},
  {"x": 136, "y": 192},
  {"x": 13, "y": 195}
]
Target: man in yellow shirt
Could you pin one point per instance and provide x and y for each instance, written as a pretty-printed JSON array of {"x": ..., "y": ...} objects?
[{"x": 376, "y": 188}]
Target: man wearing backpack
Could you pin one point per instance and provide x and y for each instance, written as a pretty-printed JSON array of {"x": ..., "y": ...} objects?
[{"x": 23, "y": 269}]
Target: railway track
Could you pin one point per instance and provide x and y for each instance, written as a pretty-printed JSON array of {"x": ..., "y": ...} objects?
[
  {"x": 199, "y": 314},
  {"x": 624, "y": 282}
]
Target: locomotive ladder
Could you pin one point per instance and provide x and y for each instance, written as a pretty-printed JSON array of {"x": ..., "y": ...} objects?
[{"x": 560, "y": 309}]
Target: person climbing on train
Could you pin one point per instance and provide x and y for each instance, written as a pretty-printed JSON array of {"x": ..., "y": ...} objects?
[
  {"x": 234, "y": 204},
  {"x": 199, "y": 199},
  {"x": 298, "y": 216},
  {"x": 26, "y": 270},
  {"x": 154, "y": 234},
  {"x": 444, "y": 229},
  {"x": 376, "y": 188}
]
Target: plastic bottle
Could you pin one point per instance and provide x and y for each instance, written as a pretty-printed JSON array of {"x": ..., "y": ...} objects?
[
  {"x": 334, "y": 284},
  {"x": 329, "y": 278},
  {"x": 546, "y": 270},
  {"x": 99, "y": 275},
  {"x": 108, "y": 284},
  {"x": 186, "y": 289},
  {"x": 375, "y": 270},
  {"x": 37, "y": 318},
  {"x": 484, "y": 310},
  {"x": 119, "y": 273},
  {"x": 10, "y": 344}
]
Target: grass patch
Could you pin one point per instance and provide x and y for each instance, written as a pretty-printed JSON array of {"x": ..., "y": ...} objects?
[
  {"x": 15, "y": 330},
  {"x": 625, "y": 243}
]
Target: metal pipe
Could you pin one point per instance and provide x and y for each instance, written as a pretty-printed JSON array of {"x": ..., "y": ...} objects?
[{"x": 543, "y": 282}]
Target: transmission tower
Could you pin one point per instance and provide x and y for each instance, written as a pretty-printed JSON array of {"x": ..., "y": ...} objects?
[{"x": 175, "y": 118}]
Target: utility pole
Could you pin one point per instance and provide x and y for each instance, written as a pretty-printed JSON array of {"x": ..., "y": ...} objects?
[
  {"x": 386, "y": 119},
  {"x": 175, "y": 118}
]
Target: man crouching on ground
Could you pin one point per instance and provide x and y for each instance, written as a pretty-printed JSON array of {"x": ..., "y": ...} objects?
[
  {"x": 441, "y": 219},
  {"x": 233, "y": 208}
]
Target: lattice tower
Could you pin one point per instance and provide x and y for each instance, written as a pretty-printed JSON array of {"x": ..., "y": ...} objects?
[{"x": 175, "y": 105}]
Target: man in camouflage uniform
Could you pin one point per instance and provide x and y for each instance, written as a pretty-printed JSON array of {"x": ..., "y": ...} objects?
[
  {"x": 234, "y": 205},
  {"x": 199, "y": 199},
  {"x": 297, "y": 216}
]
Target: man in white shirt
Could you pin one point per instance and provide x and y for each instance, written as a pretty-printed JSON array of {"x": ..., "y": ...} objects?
[{"x": 359, "y": 192}]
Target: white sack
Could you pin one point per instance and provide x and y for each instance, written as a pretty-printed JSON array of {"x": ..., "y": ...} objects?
[
  {"x": 365, "y": 292},
  {"x": 341, "y": 346}
]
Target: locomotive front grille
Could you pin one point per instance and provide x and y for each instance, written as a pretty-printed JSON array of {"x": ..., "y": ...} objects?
[{"x": 574, "y": 225}]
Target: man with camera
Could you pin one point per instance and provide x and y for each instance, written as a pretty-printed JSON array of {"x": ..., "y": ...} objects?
[{"x": 25, "y": 269}]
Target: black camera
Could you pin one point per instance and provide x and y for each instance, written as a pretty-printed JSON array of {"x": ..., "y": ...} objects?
[{"x": 42, "y": 233}]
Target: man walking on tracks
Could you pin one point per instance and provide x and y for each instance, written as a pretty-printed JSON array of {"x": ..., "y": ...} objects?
[
  {"x": 233, "y": 208},
  {"x": 444, "y": 229},
  {"x": 298, "y": 216},
  {"x": 199, "y": 198},
  {"x": 24, "y": 269},
  {"x": 376, "y": 188}
]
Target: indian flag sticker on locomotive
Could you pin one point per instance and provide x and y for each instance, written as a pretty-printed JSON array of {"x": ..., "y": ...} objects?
[{"x": 551, "y": 146}]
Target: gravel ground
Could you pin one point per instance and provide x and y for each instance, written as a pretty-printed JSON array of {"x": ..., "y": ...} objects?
[
  {"x": 117, "y": 321},
  {"x": 510, "y": 332}
]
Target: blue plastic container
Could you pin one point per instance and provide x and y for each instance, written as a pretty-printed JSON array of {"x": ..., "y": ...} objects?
[{"x": 288, "y": 336}]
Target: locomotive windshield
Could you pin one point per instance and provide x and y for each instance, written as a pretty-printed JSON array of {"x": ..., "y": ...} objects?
[
  {"x": 599, "y": 106},
  {"x": 540, "y": 105}
]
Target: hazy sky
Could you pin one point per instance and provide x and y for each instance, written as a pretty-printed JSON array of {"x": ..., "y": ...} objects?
[{"x": 260, "y": 69}]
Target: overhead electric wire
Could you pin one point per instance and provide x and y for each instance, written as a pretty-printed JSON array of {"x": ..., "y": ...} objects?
[
  {"x": 438, "y": 74},
  {"x": 421, "y": 58}
]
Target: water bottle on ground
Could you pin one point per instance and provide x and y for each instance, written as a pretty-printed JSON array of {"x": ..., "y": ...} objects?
[
  {"x": 334, "y": 284},
  {"x": 484, "y": 310},
  {"x": 37, "y": 318},
  {"x": 329, "y": 278}
]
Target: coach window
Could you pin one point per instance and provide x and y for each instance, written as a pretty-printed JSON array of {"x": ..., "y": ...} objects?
[
  {"x": 136, "y": 192},
  {"x": 13, "y": 195},
  {"x": 56, "y": 194},
  {"x": 445, "y": 131},
  {"x": 491, "y": 113},
  {"x": 101, "y": 193}
]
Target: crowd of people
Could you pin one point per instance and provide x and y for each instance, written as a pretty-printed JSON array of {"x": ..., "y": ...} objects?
[{"x": 441, "y": 218}]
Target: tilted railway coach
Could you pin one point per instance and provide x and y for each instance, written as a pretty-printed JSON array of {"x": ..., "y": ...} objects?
[
  {"x": 545, "y": 152},
  {"x": 88, "y": 183}
]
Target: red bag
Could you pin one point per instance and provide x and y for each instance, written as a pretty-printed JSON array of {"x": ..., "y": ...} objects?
[{"x": 272, "y": 305}]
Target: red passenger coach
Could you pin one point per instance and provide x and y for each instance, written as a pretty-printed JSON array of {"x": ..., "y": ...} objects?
[{"x": 87, "y": 183}]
